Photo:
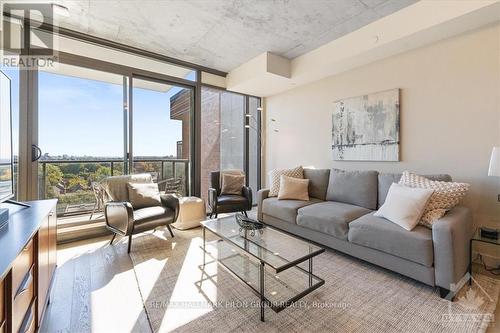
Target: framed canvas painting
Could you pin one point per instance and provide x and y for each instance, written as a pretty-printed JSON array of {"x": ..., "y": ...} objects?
[{"x": 366, "y": 128}]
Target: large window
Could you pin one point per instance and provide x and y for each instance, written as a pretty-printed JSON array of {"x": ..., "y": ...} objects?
[
  {"x": 80, "y": 134},
  {"x": 162, "y": 132},
  {"x": 13, "y": 74},
  {"x": 229, "y": 135}
]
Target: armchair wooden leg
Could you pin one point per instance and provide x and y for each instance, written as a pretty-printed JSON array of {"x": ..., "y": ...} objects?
[
  {"x": 245, "y": 212},
  {"x": 112, "y": 239},
  {"x": 170, "y": 230},
  {"x": 129, "y": 243}
]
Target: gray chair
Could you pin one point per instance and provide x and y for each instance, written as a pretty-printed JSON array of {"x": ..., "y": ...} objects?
[
  {"x": 227, "y": 203},
  {"x": 123, "y": 219}
]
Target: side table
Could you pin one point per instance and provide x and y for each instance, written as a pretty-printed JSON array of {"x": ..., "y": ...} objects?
[
  {"x": 192, "y": 211},
  {"x": 478, "y": 238}
]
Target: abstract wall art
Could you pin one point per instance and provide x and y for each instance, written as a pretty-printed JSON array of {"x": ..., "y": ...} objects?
[{"x": 366, "y": 128}]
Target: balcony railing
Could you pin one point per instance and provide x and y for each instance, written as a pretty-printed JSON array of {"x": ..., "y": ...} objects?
[{"x": 70, "y": 180}]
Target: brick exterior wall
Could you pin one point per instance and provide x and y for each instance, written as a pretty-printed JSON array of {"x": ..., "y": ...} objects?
[{"x": 180, "y": 106}]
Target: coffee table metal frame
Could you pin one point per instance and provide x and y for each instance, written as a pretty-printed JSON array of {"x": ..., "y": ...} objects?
[{"x": 260, "y": 291}]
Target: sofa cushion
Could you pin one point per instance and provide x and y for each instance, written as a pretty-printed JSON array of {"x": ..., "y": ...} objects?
[
  {"x": 353, "y": 187},
  {"x": 330, "y": 217},
  {"x": 383, "y": 235},
  {"x": 285, "y": 210},
  {"x": 318, "y": 182},
  {"x": 385, "y": 181}
]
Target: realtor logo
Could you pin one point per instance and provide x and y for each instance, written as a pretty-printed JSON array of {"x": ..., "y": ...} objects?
[
  {"x": 23, "y": 43},
  {"x": 468, "y": 306}
]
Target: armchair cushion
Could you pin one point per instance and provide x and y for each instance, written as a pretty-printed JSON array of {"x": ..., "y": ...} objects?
[
  {"x": 144, "y": 195},
  {"x": 231, "y": 199},
  {"x": 150, "y": 217},
  {"x": 116, "y": 187}
]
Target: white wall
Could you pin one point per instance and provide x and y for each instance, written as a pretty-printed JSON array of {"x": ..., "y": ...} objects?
[{"x": 450, "y": 115}]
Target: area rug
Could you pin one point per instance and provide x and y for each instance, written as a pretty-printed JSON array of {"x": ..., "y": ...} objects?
[{"x": 356, "y": 297}]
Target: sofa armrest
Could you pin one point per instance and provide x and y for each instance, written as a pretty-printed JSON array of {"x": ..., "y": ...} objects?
[
  {"x": 247, "y": 193},
  {"x": 171, "y": 201},
  {"x": 451, "y": 240},
  {"x": 261, "y": 196},
  {"x": 119, "y": 216}
]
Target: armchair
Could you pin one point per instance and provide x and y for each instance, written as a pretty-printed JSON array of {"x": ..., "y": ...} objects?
[
  {"x": 227, "y": 203},
  {"x": 122, "y": 219}
]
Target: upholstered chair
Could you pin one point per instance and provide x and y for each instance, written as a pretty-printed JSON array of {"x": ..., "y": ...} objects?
[
  {"x": 227, "y": 203},
  {"x": 124, "y": 220}
]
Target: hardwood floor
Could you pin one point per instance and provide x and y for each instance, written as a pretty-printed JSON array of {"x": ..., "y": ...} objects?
[{"x": 95, "y": 290}]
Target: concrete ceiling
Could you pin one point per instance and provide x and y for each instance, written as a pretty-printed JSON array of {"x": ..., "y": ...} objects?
[{"x": 223, "y": 34}]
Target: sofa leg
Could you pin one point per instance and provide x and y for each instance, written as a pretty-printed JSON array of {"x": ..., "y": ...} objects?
[
  {"x": 245, "y": 212},
  {"x": 112, "y": 239},
  {"x": 443, "y": 292},
  {"x": 170, "y": 230},
  {"x": 129, "y": 243}
]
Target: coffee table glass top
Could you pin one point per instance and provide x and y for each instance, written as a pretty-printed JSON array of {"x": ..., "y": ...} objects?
[{"x": 275, "y": 248}]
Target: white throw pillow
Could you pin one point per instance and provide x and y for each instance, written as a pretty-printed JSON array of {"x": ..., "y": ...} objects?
[
  {"x": 446, "y": 195},
  {"x": 404, "y": 205}
]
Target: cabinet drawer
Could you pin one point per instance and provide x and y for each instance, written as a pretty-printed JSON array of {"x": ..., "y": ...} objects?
[
  {"x": 22, "y": 301},
  {"x": 21, "y": 266},
  {"x": 28, "y": 324}
]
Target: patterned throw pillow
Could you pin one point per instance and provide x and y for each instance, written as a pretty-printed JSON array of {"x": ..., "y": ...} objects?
[
  {"x": 446, "y": 195},
  {"x": 274, "y": 178}
]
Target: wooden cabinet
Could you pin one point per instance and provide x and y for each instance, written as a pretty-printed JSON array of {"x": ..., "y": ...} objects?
[
  {"x": 27, "y": 274},
  {"x": 47, "y": 257},
  {"x": 23, "y": 299}
]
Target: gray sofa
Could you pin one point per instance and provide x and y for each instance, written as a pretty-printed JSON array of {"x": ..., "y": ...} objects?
[{"x": 340, "y": 216}]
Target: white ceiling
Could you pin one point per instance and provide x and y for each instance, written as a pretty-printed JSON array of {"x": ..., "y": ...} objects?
[{"x": 223, "y": 34}]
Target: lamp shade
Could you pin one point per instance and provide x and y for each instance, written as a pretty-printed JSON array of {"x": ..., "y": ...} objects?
[{"x": 494, "y": 169}]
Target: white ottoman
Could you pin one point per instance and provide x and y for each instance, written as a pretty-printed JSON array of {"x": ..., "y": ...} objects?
[{"x": 191, "y": 212}]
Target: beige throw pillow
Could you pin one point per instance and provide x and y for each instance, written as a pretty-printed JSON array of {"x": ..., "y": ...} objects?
[
  {"x": 446, "y": 195},
  {"x": 293, "y": 188},
  {"x": 274, "y": 178},
  {"x": 230, "y": 172},
  {"x": 143, "y": 195},
  {"x": 232, "y": 184},
  {"x": 404, "y": 205}
]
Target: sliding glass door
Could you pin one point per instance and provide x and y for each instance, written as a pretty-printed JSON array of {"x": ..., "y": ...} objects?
[
  {"x": 80, "y": 134},
  {"x": 161, "y": 132}
]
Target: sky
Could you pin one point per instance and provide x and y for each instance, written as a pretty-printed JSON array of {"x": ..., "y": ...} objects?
[{"x": 81, "y": 117}]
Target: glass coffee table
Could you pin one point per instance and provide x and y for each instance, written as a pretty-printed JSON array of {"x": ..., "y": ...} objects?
[{"x": 268, "y": 261}]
